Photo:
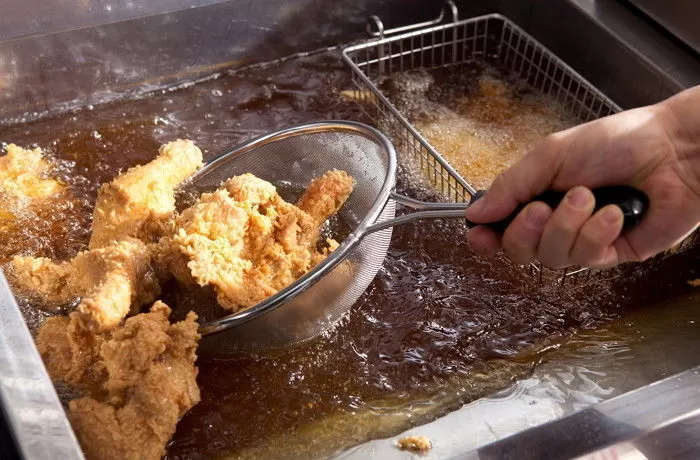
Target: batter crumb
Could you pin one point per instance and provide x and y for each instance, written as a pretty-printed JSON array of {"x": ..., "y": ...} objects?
[{"x": 416, "y": 443}]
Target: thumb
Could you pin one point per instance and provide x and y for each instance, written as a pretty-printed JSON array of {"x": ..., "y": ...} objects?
[{"x": 531, "y": 175}]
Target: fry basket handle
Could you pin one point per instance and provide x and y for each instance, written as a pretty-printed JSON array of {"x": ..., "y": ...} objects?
[{"x": 375, "y": 26}]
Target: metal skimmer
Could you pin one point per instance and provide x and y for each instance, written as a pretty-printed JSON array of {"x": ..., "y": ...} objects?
[
  {"x": 492, "y": 39},
  {"x": 321, "y": 297}
]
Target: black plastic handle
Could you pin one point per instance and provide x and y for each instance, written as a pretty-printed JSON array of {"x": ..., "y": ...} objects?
[{"x": 632, "y": 202}]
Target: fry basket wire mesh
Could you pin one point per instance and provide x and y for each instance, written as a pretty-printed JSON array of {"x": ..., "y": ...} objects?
[{"x": 491, "y": 39}]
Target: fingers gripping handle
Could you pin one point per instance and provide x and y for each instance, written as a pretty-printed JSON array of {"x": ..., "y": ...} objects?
[{"x": 631, "y": 201}]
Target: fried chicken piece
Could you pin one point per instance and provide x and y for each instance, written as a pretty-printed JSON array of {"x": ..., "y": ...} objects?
[
  {"x": 143, "y": 380},
  {"x": 140, "y": 202},
  {"x": 110, "y": 281},
  {"x": 115, "y": 276},
  {"x": 23, "y": 182},
  {"x": 247, "y": 242},
  {"x": 23, "y": 174}
]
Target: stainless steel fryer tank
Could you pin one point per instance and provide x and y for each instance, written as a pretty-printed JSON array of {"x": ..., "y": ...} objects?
[{"x": 73, "y": 53}]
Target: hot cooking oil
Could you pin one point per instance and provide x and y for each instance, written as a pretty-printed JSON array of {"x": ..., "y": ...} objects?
[{"x": 437, "y": 328}]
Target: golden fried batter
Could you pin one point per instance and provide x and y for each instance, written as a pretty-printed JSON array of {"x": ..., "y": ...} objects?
[
  {"x": 23, "y": 174},
  {"x": 325, "y": 195},
  {"x": 70, "y": 351},
  {"x": 142, "y": 380},
  {"x": 115, "y": 276},
  {"x": 481, "y": 133},
  {"x": 140, "y": 202},
  {"x": 23, "y": 182},
  {"x": 138, "y": 376},
  {"x": 247, "y": 242},
  {"x": 110, "y": 281},
  {"x": 416, "y": 443}
]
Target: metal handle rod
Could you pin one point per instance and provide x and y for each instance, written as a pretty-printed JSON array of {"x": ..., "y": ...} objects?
[
  {"x": 381, "y": 33},
  {"x": 426, "y": 205},
  {"x": 426, "y": 210},
  {"x": 33, "y": 413}
]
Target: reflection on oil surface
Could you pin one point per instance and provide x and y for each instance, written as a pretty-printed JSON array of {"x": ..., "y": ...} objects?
[{"x": 437, "y": 328}]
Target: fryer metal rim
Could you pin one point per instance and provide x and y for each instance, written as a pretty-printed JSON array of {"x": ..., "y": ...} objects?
[{"x": 312, "y": 276}]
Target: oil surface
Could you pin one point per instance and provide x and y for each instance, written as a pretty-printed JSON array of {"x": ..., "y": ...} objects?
[
  {"x": 481, "y": 119},
  {"x": 437, "y": 328}
]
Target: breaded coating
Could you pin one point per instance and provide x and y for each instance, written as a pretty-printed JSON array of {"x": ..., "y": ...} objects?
[
  {"x": 142, "y": 381},
  {"x": 416, "y": 443},
  {"x": 115, "y": 276},
  {"x": 140, "y": 202},
  {"x": 23, "y": 174},
  {"x": 247, "y": 242},
  {"x": 23, "y": 183},
  {"x": 325, "y": 195},
  {"x": 70, "y": 351},
  {"x": 110, "y": 281}
]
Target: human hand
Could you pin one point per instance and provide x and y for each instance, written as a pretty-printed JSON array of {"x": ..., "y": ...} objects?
[{"x": 655, "y": 149}]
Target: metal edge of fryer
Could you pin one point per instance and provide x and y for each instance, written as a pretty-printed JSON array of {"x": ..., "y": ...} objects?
[
  {"x": 30, "y": 404},
  {"x": 660, "y": 420}
]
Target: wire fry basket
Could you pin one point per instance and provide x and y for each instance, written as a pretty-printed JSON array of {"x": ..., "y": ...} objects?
[{"x": 490, "y": 39}]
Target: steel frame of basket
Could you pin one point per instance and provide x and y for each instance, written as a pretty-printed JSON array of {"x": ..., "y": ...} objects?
[{"x": 491, "y": 38}]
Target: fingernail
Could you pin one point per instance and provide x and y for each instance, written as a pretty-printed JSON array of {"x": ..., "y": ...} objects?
[
  {"x": 477, "y": 207},
  {"x": 611, "y": 215},
  {"x": 537, "y": 216},
  {"x": 578, "y": 197}
]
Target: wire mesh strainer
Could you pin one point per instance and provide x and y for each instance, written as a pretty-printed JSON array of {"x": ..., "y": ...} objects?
[{"x": 320, "y": 298}]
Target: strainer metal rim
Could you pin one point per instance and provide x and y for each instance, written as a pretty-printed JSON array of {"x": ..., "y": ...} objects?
[{"x": 315, "y": 274}]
